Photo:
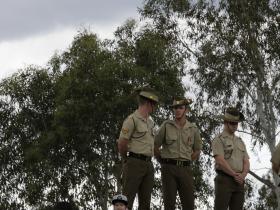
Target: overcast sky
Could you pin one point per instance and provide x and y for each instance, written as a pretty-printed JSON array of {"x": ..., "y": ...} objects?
[{"x": 32, "y": 30}]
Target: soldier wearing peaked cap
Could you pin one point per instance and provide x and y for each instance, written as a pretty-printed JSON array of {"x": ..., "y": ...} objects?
[
  {"x": 136, "y": 146},
  {"x": 231, "y": 163},
  {"x": 177, "y": 144}
]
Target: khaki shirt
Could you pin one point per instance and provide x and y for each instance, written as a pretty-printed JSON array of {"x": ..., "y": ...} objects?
[
  {"x": 232, "y": 148},
  {"x": 276, "y": 156},
  {"x": 139, "y": 133},
  {"x": 178, "y": 143}
]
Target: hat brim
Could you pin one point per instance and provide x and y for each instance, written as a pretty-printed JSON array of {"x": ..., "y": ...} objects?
[
  {"x": 120, "y": 201},
  {"x": 241, "y": 118},
  {"x": 150, "y": 98}
]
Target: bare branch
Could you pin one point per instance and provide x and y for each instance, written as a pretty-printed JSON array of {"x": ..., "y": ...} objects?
[
  {"x": 259, "y": 137},
  {"x": 264, "y": 181},
  {"x": 246, "y": 90}
]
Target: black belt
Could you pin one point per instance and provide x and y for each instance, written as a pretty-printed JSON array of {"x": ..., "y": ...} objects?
[
  {"x": 220, "y": 172},
  {"x": 139, "y": 156},
  {"x": 181, "y": 163}
]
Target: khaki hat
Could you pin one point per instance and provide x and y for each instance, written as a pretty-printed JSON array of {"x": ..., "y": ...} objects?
[
  {"x": 233, "y": 115},
  {"x": 119, "y": 199},
  {"x": 180, "y": 102},
  {"x": 149, "y": 95}
]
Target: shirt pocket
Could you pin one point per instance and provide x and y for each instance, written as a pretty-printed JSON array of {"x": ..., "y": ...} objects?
[
  {"x": 228, "y": 149},
  {"x": 241, "y": 149},
  {"x": 140, "y": 131},
  {"x": 171, "y": 136},
  {"x": 188, "y": 137}
]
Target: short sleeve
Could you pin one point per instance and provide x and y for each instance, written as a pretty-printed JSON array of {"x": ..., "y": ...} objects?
[
  {"x": 246, "y": 153},
  {"x": 217, "y": 147},
  {"x": 197, "y": 140},
  {"x": 159, "y": 138},
  {"x": 127, "y": 128}
]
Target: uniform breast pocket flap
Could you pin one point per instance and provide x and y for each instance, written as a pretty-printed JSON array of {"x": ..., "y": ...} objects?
[
  {"x": 228, "y": 150},
  {"x": 140, "y": 131},
  {"x": 241, "y": 147},
  {"x": 189, "y": 137},
  {"x": 171, "y": 136}
]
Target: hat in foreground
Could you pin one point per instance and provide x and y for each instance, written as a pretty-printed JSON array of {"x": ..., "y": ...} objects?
[
  {"x": 233, "y": 115},
  {"x": 119, "y": 199},
  {"x": 149, "y": 95}
]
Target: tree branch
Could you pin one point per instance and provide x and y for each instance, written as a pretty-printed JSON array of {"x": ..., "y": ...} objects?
[
  {"x": 277, "y": 133},
  {"x": 264, "y": 181},
  {"x": 250, "y": 134}
]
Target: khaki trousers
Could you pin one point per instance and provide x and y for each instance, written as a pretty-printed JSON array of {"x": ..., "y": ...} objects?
[
  {"x": 175, "y": 178},
  {"x": 138, "y": 178},
  {"x": 228, "y": 193}
]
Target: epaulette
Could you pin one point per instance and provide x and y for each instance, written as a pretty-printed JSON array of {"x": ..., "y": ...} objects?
[
  {"x": 191, "y": 125},
  {"x": 131, "y": 117}
]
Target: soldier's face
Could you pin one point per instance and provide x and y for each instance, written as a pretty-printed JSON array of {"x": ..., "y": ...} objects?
[
  {"x": 232, "y": 126},
  {"x": 119, "y": 206},
  {"x": 179, "y": 111}
]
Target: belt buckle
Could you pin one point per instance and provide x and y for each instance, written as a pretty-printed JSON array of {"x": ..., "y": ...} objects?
[{"x": 179, "y": 163}]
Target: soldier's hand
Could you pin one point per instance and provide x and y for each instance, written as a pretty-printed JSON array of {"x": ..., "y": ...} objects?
[{"x": 239, "y": 178}]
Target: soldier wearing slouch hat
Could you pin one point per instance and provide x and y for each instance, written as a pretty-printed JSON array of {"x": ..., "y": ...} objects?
[
  {"x": 177, "y": 144},
  {"x": 231, "y": 163},
  {"x": 136, "y": 146}
]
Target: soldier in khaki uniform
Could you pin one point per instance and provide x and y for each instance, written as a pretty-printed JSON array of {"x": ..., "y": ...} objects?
[
  {"x": 136, "y": 145},
  {"x": 231, "y": 163},
  {"x": 275, "y": 160},
  {"x": 177, "y": 144}
]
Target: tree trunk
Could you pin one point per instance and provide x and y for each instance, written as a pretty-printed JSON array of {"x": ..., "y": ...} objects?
[
  {"x": 277, "y": 189},
  {"x": 268, "y": 122}
]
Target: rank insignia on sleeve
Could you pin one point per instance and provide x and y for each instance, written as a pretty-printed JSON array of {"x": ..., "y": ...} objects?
[{"x": 124, "y": 130}]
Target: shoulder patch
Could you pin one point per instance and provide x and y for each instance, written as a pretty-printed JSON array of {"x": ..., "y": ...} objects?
[
  {"x": 125, "y": 130},
  {"x": 130, "y": 116}
]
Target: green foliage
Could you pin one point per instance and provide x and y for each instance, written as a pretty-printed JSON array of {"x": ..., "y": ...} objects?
[
  {"x": 59, "y": 124},
  {"x": 233, "y": 48}
]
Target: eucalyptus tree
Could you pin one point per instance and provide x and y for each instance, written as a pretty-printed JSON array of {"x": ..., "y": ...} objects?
[
  {"x": 27, "y": 102},
  {"x": 234, "y": 50},
  {"x": 59, "y": 124}
]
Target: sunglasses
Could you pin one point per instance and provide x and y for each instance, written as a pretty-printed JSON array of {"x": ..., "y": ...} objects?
[{"x": 233, "y": 123}]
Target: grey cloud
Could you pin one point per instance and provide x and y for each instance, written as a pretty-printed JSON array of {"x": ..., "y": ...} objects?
[{"x": 19, "y": 19}]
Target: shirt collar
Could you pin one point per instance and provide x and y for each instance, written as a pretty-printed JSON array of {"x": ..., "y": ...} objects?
[
  {"x": 226, "y": 134},
  {"x": 187, "y": 124},
  {"x": 138, "y": 115}
]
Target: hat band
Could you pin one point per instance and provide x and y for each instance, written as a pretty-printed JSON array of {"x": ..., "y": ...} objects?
[
  {"x": 231, "y": 117},
  {"x": 149, "y": 96}
]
